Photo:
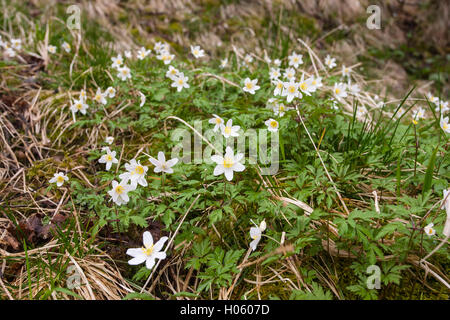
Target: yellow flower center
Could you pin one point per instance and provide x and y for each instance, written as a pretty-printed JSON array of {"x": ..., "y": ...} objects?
[
  {"x": 281, "y": 108},
  {"x": 196, "y": 52},
  {"x": 147, "y": 250},
  {"x": 139, "y": 170},
  {"x": 227, "y": 130},
  {"x": 218, "y": 121},
  {"x": 303, "y": 86},
  {"x": 180, "y": 81},
  {"x": 279, "y": 85},
  {"x": 445, "y": 126},
  {"x": 60, "y": 179},
  {"x": 79, "y": 106},
  {"x": 108, "y": 157},
  {"x": 249, "y": 85},
  {"x": 414, "y": 121},
  {"x": 337, "y": 90},
  {"x": 118, "y": 61},
  {"x": 291, "y": 89},
  {"x": 228, "y": 162},
  {"x": 119, "y": 189},
  {"x": 273, "y": 124}
]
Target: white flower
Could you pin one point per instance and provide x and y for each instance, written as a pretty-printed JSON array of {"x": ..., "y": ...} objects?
[
  {"x": 228, "y": 164},
  {"x": 143, "y": 98},
  {"x": 295, "y": 60},
  {"x": 135, "y": 173},
  {"x": 59, "y": 178},
  {"x": 180, "y": 82},
  {"x": 124, "y": 73},
  {"x": 418, "y": 114},
  {"x": 250, "y": 86},
  {"x": 66, "y": 47},
  {"x": 444, "y": 124},
  {"x": 339, "y": 90},
  {"x": 117, "y": 61},
  {"x": 216, "y": 121},
  {"x": 223, "y": 63},
  {"x": 279, "y": 109},
  {"x": 83, "y": 95},
  {"x": 272, "y": 125},
  {"x": 51, "y": 49},
  {"x": 197, "y": 52},
  {"x": 229, "y": 130},
  {"x": 277, "y": 62},
  {"x": 289, "y": 74},
  {"x": 361, "y": 112},
  {"x": 79, "y": 105},
  {"x": 429, "y": 230},
  {"x": 345, "y": 71},
  {"x": 330, "y": 62},
  {"x": 109, "y": 140},
  {"x": 161, "y": 165},
  {"x": 10, "y": 52},
  {"x": 100, "y": 97},
  {"x": 110, "y": 92},
  {"x": 290, "y": 91},
  {"x": 119, "y": 192},
  {"x": 248, "y": 59},
  {"x": 149, "y": 252},
  {"x": 159, "y": 46},
  {"x": 441, "y": 106},
  {"x": 400, "y": 112},
  {"x": 16, "y": 44},
  {"x": 172, "y": 73},
  {"x": 255, "y": 234},
  {"x": 432, "y": 98},
  {"x": 127, "y": 54},
  {"x": 306, "y": 86},
  {"x": 353, "y": 88},
  {"x": 165, "y": 56},
  {"x": 279, "y": 85},
  {"x": 274, "y": 73},
  {"x": 109, "y": 158},
  {"x": 142, "y": 53}
]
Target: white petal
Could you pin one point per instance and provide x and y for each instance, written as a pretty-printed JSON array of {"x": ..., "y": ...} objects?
[
  {"x": 172, "y": 162},
  {"x": 158, "y": 246},
  {"x": 148, "y": 239},
  {"x": 137, "y": 260},
  {"x": 228, "y": 174},
  {"x": 150, "y": 262},
  {"x": 134, "y": 252},
  {"x": 218, "y": 170},
  {"x": 238, "y": 167},
  {"x": 217, "y": 159},
  {"x": 160, "y": 255},
  {"x": 154, "y": 161}
]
